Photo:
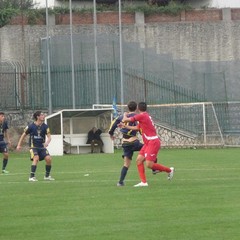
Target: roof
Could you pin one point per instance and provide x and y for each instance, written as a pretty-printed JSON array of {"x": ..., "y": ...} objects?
[{"x": 71, "y": 113}]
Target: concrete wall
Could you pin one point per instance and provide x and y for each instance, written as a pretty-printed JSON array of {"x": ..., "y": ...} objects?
[{"x": 193, "y": 36}]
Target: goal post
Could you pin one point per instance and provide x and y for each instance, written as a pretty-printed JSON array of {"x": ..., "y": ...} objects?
[
  {"x": 184, "y": 124},
  {"x": 187, "y": 124}
]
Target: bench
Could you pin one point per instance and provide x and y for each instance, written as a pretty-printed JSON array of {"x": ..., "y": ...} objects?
[
  {"x": 82, "y": 146},
  {"x": 79, "y": 142},
  {"x": 79, "y": 145}
]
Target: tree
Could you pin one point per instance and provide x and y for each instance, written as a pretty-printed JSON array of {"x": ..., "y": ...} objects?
[
  {"x": 163, "y": 2},
  {"x": 16, "y": 4},
  {"x": 10, "y": 8}
]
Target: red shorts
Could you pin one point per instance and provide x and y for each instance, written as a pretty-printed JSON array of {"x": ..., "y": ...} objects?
[{"x": 150, "y": 149}]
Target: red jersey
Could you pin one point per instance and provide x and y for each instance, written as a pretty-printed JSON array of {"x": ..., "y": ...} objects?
[
  {"x": 151, "y": 140},
  {"x": 146, "y": 124}
]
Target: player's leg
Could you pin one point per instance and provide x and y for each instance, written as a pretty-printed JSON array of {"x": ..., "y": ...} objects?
[
  {"x": 46, "y": 156},
  {"x": 140, "y": 166},
  {"x": 5, "y": 160},
  {"x": 155, "y": 171},
  {"x": 35, "y": 159},
  {"x": 151, "y": 156},
  {"x": 127, "y": 157},
  {"x": 124, "y": 170}
]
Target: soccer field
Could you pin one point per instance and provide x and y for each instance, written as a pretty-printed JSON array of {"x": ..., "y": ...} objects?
[{"x": 200, "y": 203}]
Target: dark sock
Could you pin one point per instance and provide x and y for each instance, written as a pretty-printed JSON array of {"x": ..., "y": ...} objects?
[
  {"x": 33, "y": 170},
  {"x": 123, "y": 174},
  {"x": 5, "y": 161},
  {"x": 48, "y": 170}
]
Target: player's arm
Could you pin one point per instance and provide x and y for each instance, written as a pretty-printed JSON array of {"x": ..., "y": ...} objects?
[
  {"x": 49, "y": 138},
  {"x": 6, "y": 136},
  {"x": 113, "y": 127},
  {"x": 125, "y": 125},
  {"x": 126, "y": 118},
  {"x": 21, "y": 140}
]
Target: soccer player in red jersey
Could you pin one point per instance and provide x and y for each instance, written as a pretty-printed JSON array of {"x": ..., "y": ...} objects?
[{"x": 151, "y": 146}]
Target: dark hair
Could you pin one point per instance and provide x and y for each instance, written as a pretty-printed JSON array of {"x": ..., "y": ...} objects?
[
  {"x": 142, "y": 106},
  {"x": 36, "y": 114},
  {"x": 132, "y": 106},
  {"x": 1, "y": 113}
]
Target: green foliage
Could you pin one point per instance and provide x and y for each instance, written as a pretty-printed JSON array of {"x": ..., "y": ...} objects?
[
  {"x": 10, "y": 8},
  {"x": 65, "y": 10},
  {"x": 60, "y": 10},
  {"x": 6, "y": 14},
  {"x": 16, "y": 4},
  {"x": 173, "y": 8},
  {"x": 33, "y": 15}
]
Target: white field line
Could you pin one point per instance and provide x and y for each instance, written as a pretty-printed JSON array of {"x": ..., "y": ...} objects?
[
  {"x": 41, "y": 181},
  {"x": 182, "y": 170},
  {"x": 85, "y": 177}
]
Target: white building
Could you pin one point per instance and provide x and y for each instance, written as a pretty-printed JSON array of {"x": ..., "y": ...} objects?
[
  {"x": 215, "y": 3},
  {"x": 194, "y": 3},
  {"x": 57, "y": 3},
  {"x": 42, "y": 3}
]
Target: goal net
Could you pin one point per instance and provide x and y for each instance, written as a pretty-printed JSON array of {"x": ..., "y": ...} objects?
[{"x": 185, "y": 124}]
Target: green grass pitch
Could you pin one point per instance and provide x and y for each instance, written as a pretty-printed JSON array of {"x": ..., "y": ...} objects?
[{"x": 84, "y": 203}]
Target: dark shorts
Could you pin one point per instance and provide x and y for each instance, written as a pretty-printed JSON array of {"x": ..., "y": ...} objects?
[
  {"x": 130, "y": 148},
  {"x": 3, "y": 148},
  {"x": 41, "y": 152}
]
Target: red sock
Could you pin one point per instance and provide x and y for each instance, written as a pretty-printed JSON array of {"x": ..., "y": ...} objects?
[
  {"x": 161, "y": 168},
  {"x": 141, "y": 172}
]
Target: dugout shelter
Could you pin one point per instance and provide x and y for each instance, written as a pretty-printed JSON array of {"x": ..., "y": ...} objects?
[{"x": 73, "y": 125}]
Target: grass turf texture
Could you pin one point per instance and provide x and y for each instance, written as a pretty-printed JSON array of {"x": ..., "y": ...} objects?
[{"x": 201, "y": 202}]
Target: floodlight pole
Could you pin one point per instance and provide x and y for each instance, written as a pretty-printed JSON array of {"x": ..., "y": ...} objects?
[
  {"x": 48, "y": 65},
  {"x": 72, "y": 57},
  {"x": 121, "y": 58},
  {"x": 96, "y": 50}
]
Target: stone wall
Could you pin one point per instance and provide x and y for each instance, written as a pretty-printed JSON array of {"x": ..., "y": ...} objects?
[{"x": 17, "y": 121}]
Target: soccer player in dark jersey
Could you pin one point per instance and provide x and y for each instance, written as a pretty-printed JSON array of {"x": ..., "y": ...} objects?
[
  {"x": 3, "y": 144},
  {"x": 37, "y": 132},
  {"x": 130, "y": 142},
  {"x": 151, "y": 146}
]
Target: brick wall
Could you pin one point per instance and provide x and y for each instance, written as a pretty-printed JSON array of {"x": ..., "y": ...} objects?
[
  {"x": 235, "y": 13},
  {"x": 203, "y": 15},
  {"x": 155, "y": 18},
  {"x": 113, "y": 18},
  {"x": 129, "y": 18},
  {"x": 64, "y": 19}
]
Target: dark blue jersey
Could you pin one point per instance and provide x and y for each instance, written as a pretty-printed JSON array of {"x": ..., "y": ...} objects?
[
  {"x": 126, "y": 132},
  {"x": 37, "y": 134},
  {"x": 3, "y": 129}
]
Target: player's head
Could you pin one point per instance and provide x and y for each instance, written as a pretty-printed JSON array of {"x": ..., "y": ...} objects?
[
  {"x": 2, "y": 116},
  {"x": 132, "y": 106},
  {"x": 37, "y": 115},
  {"x": 142, "y": 106}
]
